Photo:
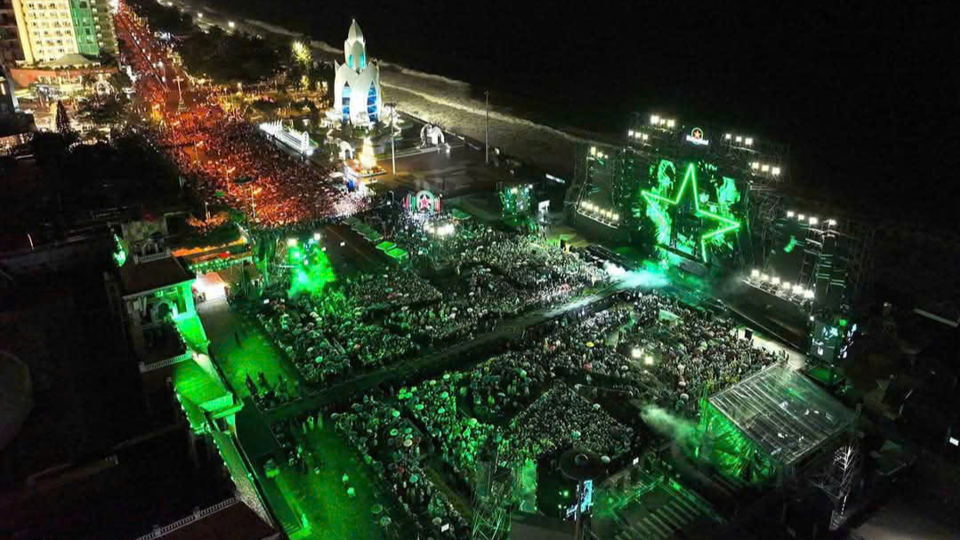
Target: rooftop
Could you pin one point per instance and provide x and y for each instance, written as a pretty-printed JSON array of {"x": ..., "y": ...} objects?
[
  {"x": 141, "y": 277},
  {"x": 783, "y": 412},
  {"x": 236, "y": 521}
]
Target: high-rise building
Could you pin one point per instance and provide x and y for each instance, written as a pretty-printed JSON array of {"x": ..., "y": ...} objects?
[
  {"x": 356, "y": 98},
  {"x": 51, "y": 29},
  {"x": 10, "y": 50}
]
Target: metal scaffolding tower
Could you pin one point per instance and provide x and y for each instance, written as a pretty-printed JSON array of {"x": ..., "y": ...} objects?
[
  {"x": 838, "y": 479},
  {"x": 491, "y": 514}
]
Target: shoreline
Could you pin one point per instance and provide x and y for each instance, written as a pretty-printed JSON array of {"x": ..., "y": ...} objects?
[{"x": 451, "y": 104}]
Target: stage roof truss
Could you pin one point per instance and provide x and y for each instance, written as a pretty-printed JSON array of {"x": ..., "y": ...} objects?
[{"x": 783, "y": 412}]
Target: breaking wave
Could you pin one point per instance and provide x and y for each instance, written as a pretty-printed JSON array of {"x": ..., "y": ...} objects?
[
  {"x": 478, "y": 110},
  {"x": 272, "y": 28},
  {"x": 431, "y": 76}
]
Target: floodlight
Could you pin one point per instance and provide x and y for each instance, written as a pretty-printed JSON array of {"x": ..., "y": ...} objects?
[
  {"x": 764, "y": 277},
  {"x": 765, "y": 168},
  {"x": 748, "y": 141},
  {"x": 791, "y": 213},
  {"x": 776, "y": 171},
  {"x": 801, "y": 217},
  {"x": 291, "y": 242},
  {"x": 831, "y": 222},
  {"x": 630, "y": 133},
  {"x": 797, "y": 289},
  {"x": 811, "y": 318},
  {"x": 670, "y": 123},
  {"x": 775, "y": 280},
  {"x": 808, "y": 294},
  {"x": 342, "y": 244},
  {"x": 739, "y": 139},
  {"x": 654, "y": 119},
  {"x": 648, "y": 360},
  {"x": 199, "y": 15},
  {"x": 636, "y": 353},
  {"x": 593, "y": 150},
  {"x": 727, "y": 136},
  {"x": 232, "y": 24},
  {"x": 813, "y": 220},
  {"x": 785, "y": 285},
  {"x": 755, "y": 165},
  {"x": 616, "y": 217},
  {"x": 645, "y": 136},
  {"x": 754, "y": 273},
  {"x": 316, "y": 236}
]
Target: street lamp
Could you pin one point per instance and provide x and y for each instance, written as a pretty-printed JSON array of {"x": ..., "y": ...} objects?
[
  {"x": 486, "y": 128},
  {"x": 393, "y": 150}
]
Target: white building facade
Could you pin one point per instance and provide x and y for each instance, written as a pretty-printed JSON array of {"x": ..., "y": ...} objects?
[{"x": 356, "y": 98}]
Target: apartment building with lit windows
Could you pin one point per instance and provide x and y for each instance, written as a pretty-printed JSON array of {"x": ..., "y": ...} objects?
[
  {"x": 52, "y": 29},
  {"x": 10, "y": 50}
]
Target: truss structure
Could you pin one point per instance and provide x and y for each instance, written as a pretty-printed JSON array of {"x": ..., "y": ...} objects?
[
  {"x": 838, "y": 479},
  {"x": 491, "y": 505}
]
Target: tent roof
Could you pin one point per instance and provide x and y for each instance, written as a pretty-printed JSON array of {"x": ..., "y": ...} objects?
[{"x": 785, "y": 413}]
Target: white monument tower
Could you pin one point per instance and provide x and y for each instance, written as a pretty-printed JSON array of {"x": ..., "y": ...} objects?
[{"x": 356, "y": 97}]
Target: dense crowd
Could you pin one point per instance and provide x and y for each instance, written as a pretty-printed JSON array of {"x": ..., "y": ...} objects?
[
  {"x": 325, "y": 337},
  {"x": 526, "y": 403},
  {"x": 500, "y": 274},
  {"x": 562, "y": 418},
  {"x": 225, "y": 156},
  {"x": 391, "y": 445},
  {"x": 282, "y": 189},
  {"x": 660, "y": 349}
]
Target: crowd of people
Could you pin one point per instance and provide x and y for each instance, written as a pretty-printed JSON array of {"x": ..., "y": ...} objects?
[
  {"x": 325, "y": 336},
  {"x": 391, "y": 445},
  {"x": 236, "y": 159},
  {"x": 656, "y": 347},
  {"x": 562, "y": 418},
  {"x": 694, "y": 351},
  {"x": 500, "y": 274},
  {"x": 226, "y": 158}
]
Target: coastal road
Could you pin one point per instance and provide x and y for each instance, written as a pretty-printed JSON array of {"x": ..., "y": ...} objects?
[{"x": 455, "y": 105}]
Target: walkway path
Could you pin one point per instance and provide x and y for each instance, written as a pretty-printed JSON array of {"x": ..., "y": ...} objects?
[{"x": 254, "y": 352}]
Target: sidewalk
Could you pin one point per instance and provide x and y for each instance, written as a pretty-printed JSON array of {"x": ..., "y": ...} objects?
[{"x": 254, "y": 354}]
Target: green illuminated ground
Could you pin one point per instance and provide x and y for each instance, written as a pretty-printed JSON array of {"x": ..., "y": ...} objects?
[
  {"x": 322, "y": 497},
  {"x": 255, "y": 352},
  {"x": 192, "y": 331}
]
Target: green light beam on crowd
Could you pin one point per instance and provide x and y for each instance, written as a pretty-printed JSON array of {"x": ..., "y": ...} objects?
[{"x": 691, "y": 178}]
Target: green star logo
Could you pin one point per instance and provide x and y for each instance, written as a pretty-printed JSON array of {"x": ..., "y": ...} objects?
[{"x": 659, "y": 204}]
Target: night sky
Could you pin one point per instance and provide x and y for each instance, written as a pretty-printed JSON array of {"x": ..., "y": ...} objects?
[{"x": 862, "y": 94}]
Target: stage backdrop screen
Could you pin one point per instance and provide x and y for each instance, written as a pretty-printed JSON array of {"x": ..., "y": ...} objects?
[{"x": 694, "y": 210}]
